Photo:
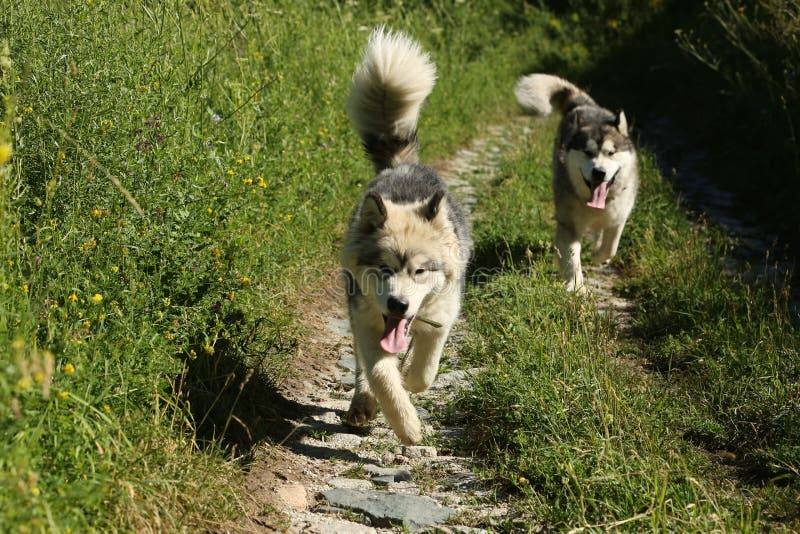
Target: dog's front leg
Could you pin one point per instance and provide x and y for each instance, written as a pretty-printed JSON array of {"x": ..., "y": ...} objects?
[
  {"x": 607, "y": 248},
  {"x": 569, "y": 257},
  {"x": 421, "y": 366},
  {"x": 378, "y": 379},
  {"x": 363, "y": 407},
  {"x": 387, "y": 385}
]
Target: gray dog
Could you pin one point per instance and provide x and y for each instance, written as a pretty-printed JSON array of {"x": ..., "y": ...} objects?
[{"x": 595, "y": 175}]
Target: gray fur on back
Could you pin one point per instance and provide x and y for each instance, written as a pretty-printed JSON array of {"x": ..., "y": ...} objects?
[{"x": 414, "y": 183}]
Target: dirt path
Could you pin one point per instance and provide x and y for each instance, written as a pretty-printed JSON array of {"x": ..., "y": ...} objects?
[{"x": 328, "y": 478}]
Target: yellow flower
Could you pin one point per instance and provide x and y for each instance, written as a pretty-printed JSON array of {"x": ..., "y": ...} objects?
[
  {"x": 248, "y": 181},
  {"x": 97, "y": 298},
  {"x": 240, "y": 161},
  {"x": 87, "y": 324},
  {"x": 244, "y": 280},
  {"x": 68, "y": 369},
  {"x": 72, "y": 298},
  {"x": 231, "y": 172},
  {"x": 169, "y": 335},
  {"x": 24, "y": 382},
  {"x": 35, "y": 491},
  {"x": 192, "y": 354},
  {"x": 38, "y": 377},
  {"x": 209, "y": 210},
  {"x": 5, "y": 287},
  {"x": 63, "y": 395},
  {"x": 523, "y": 480},
  {"x": 208, "y": 349},
  {"x": 18, "y": 344},
  {"x": 107, "y": 408},
  {"x": 216, "y": 253},
  {"x": 247, "y": 158},
  {"x": 5, "y": 153},
  {"x": 24, "y": 288},
  {"x": 114, "y": 269},
  {"x": 101, "y": 317},
  {"x": 289, "y": 217},
  {"x": 96, "y": 212}
]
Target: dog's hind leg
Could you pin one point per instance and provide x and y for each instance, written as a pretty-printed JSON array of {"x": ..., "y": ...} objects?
[{"x": 569, "y": 257}]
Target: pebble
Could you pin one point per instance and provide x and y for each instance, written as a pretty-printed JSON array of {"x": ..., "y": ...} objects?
[
  {"x": 419, "y": 451},
  {"x": 293, "y": 495}
]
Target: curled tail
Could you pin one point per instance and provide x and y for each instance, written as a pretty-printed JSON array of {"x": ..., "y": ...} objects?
[
  {"x": 388, "y": 88},
  {"x": 540, "y": 93}
]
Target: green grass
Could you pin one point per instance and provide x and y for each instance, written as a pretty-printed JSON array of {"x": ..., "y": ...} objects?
[
  {"x": 703, "y": 437},
  {"x": 181, "y": 178}
]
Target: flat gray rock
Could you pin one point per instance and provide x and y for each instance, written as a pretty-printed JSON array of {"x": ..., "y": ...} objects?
[
  {"x": 398, "y": 475},
  {"x": 340, "y": 327},
  {"x": 348, "y": 380},
  {"x": 350, "y": 483},
  {"x": 386, "y": 509},
  {"x": 348, "y": 363}
]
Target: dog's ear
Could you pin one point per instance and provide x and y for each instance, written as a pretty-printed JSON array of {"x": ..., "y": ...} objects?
[
  {"x": 622, "y": 123},
  {"x": 577, "y": 120},
  {"x": 373, "y": 212},
  {"x": 431, "y": 209}
]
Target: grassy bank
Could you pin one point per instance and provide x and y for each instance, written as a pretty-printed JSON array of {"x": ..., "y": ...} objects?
[
  {"x": 181, "y": 177},
  {"x": 687, "y": 422}
]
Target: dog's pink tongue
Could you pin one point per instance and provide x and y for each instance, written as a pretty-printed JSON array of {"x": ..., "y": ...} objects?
[
  {"x": 599, "y": 196},
  {"x": 394, "y": 335}
]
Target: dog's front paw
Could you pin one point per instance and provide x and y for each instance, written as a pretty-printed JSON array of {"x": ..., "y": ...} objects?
[
  {"x": 601, "y": 258},
  {"x": 577, "y": 287},
  {"x": 410, "y": 433},
  {"x": 362, "y": 409}
]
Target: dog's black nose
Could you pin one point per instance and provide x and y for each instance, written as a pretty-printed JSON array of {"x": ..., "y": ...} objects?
[
  {"x": 396, "y": 305},
  {"x": 598, "y": 174}
]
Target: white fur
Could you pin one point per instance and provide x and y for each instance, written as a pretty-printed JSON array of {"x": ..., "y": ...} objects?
[
  {"x": 389, "y": 86},
  {"x": 434, "y": 295},
  {"x": 533, "y": 92}
]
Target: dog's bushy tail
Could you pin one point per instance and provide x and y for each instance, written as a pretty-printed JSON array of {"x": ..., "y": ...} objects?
[
  {"x": 540, "y": 93},
  {"x": 389, "y": 87}
]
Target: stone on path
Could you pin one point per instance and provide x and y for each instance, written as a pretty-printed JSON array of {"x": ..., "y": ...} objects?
[
  {"x": 419, "y": 451},
  {"x": 293, "y": 495},
  {"x": 398, "y": 475},
  {"x": 386, "y": 509},
  {"x": 350, "y": 483},
  {"x": 312, "y": 523}
]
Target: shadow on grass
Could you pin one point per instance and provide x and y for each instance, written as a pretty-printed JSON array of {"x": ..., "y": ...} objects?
[
  {"x": 233, "y": 398},
  {"x": 491, "y": 258}
]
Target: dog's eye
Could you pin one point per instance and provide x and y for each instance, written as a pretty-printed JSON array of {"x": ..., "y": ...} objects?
[
  {"x": 386, "y": 270},
  {"x": 419, "y": 271},
  {"x": 588, "y": 153}
]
